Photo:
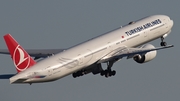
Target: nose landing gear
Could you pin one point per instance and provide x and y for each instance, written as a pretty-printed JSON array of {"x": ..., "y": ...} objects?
[{"x": 162, "y": 42}]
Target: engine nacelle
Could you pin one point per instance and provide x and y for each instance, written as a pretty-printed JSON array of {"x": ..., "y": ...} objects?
[{"x": 145, "y": 57}]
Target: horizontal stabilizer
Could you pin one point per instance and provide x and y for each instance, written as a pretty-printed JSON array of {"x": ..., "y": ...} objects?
[
  {"x": 22, "y": 80},
  {"x": 18, "y": 81},
  {"x": 6, "y": 76}
]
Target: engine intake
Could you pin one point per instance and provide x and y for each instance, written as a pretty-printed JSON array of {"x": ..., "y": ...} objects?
[{"x": 143, "y": 58}]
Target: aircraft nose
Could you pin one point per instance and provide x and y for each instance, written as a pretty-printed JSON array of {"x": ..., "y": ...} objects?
[{"x": 171, "y": 23}]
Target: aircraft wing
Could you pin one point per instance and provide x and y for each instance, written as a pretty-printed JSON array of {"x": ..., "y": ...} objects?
[
  {"x": 133, "y": 51},
  {"x": 6, "y": 76},
  {"x": 129, "y": 52},
  {"x": 37, "y": 53}
]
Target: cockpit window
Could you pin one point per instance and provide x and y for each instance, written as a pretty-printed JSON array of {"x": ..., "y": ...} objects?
[{"x": 132, "y": 22}]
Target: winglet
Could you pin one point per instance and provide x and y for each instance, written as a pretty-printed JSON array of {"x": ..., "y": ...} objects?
[{"x": 20, "y": 57}]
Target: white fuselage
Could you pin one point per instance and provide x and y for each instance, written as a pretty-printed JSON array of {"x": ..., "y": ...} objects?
[{"x": 93, "y": 50}]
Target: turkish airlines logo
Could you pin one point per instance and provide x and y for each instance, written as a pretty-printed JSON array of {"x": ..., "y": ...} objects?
[{"x": 21, "y": 60}]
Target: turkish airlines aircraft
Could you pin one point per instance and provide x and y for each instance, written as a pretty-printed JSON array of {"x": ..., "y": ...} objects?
[{"x": 87, "y": 57}]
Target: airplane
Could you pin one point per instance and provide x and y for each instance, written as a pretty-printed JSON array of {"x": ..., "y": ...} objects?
[{"x": 130, "y": 41}]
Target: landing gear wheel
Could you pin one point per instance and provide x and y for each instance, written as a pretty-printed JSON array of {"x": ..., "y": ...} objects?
[
  {"x": 78, "y": 73},
  {"x": 163, "y": 43},
  {"x": 102, "y": 73},
  {"x": 74, "y": 75},
  {"x": 113, "y": 72},
  {"x": 108, "y": 73}
]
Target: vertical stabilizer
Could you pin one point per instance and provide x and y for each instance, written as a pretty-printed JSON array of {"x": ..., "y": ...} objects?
[{"x": 22, "y": 60}]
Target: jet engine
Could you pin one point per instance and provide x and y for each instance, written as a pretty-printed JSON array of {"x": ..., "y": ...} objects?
[{"x": 143, "y": 58}]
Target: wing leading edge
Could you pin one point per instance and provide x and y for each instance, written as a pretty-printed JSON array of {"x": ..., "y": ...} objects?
[
  {"x": 129, "y": 52},
  {"x": 133, "y": 51}
]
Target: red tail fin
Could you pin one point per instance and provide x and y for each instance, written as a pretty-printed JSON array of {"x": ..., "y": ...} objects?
[{"x": 20, "y": 57}]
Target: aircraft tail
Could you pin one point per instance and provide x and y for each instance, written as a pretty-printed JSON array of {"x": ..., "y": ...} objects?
[{"x": 22, "y": 60}]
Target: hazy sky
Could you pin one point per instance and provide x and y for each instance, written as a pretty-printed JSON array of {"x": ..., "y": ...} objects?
[{"x": 46, "y": 24}]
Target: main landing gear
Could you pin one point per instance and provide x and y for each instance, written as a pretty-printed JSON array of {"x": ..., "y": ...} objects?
[
  {"x": 108, "y": 72},
  {"x": 79, "y": 73},
  {"x": 162, "y": 42}
]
